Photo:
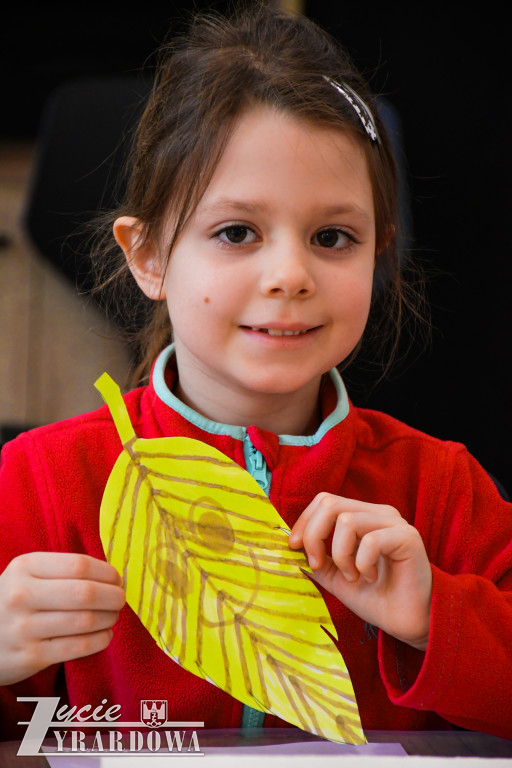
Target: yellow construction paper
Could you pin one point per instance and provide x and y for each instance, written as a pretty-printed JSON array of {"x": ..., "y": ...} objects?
[{"x": 206, "y": 565}]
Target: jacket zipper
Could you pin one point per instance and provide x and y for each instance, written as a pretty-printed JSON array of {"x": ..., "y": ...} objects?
[{"x": 256, "y": 465}]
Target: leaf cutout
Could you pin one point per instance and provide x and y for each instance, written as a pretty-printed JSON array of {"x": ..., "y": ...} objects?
[{"x": 206, "y": 565}]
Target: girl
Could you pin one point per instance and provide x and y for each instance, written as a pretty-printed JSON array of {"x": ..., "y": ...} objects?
[{"x": 260, "y": 218}]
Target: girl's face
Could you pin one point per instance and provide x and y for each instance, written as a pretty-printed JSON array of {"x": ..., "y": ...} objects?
[{"x": 269, "y": 285}]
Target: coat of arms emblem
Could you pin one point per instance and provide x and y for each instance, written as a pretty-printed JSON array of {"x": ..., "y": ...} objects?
[{"x": 153, "y": 712}]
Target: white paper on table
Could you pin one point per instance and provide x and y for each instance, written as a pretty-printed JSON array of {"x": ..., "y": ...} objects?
[{"x": 298, "y": 755}]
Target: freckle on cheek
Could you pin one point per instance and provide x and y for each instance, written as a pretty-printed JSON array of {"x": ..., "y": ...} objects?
[{"x": 206, "y": 299}]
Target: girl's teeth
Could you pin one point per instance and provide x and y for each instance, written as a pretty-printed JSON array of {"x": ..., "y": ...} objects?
[{"x": 276, "y": 332}]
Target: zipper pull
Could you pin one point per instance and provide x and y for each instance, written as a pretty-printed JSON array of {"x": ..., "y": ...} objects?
[{"x": 257, "y": 467}]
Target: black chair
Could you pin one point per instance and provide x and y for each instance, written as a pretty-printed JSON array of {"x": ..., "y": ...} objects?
[{"x": 81, "y": 147}]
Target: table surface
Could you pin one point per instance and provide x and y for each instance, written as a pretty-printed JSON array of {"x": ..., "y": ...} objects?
[{"x": 439, "y": 743}]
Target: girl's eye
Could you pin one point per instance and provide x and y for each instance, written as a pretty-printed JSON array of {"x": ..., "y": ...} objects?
[
  {"x": 332, "y": 238},
  {"x": 237, "y": 234}
]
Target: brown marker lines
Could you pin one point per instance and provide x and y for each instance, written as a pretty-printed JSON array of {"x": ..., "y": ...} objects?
[
  {"x": 204, "y": 503},
  {"x": 315, "y": 696},
  {"x": 272, "y": 539},
  {"x": 147, "y": 530},
  {"x": 309, "y": 710},
  {"x": 315, "y": 685},
  {"x": 243, "y": 663},
  {"x": 203, "y": 484},
  {"x": 332, "y": 706},
  {"x": 326, "y": 703},
  {"x": 243, "y": 551},
  {"x": 281, "y": 545},
  {"x": 189, "y": 502},
  {"x": 279, "y": 612},
  {"x": 272, "y": 542},
  {"x": 179, "y": 611},
  {"x": 246, "y": 604},
  {"x": 200, "y": 619},
  {"x": 240, "y": 556},
  {"x": 181, "y": 558},
  {"x": 268, "y": 588},
  {"x": 286, "y": 674},
  {"x": 264, "y": 629},
  {"x": 265, "y": 644},
  {"x": 174, "y": 617},
  {"x": 151, "y": 558},
  {"x": 291, "y": 700},
  {"x": 135, "y": 494},
  {"x": 321, "y": 697},
  {"x": 149, "y": 605},
  {"x": 119, "y": 508},
  {"x": 222, "y": 634},
  {"x": 270, "y": 571},
  {"x": 261, "y": 674},
  {"x": 141, "y": 453},
  {"x": 347, "y": 733}
]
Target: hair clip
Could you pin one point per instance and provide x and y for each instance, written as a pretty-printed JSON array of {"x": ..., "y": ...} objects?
[{"x": 363, "y": 112}]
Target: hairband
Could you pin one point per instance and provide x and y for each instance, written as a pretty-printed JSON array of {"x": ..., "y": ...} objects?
[{"x": 363, "y": 112}]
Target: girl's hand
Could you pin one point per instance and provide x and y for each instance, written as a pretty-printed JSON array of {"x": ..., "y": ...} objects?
[
  {"x": 379, "y": 567},
  {"x": 54, "y": 607}
]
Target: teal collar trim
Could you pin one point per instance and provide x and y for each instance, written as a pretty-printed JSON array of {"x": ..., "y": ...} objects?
[{"x": 239, "y": 433}]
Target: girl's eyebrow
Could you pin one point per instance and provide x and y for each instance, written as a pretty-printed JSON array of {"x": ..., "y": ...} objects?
[
  {"x": 259, "y": 206},
  {"x": 224, "y": 203},
  {"x": 341, "y": 209}
]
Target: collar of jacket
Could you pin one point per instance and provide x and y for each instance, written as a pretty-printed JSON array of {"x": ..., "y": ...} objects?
[{"x": 335, "y": 402}]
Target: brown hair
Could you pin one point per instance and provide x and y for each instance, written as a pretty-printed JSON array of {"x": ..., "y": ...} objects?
[{"x": 205, "y": 79}]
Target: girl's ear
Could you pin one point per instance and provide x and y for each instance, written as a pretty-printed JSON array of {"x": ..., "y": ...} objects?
[{"x": 142, "y": 256}]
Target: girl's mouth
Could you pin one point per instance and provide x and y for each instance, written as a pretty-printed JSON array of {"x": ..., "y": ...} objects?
[{"x": 278, "y": 332}]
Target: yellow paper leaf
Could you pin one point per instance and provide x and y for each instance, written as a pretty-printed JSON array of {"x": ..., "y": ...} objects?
[{"x": 207, "y": 568}]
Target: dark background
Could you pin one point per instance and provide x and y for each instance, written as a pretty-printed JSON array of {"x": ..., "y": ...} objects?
[{"x": 447, "y": 70}]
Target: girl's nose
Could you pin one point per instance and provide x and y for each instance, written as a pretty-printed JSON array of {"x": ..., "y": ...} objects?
[{"x": 287, "y": 273}]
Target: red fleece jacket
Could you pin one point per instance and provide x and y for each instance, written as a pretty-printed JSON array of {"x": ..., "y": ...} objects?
[{"x": 51, "y": 485}]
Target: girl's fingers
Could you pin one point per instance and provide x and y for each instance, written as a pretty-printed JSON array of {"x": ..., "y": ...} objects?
[
  {"x": 69, "y": 595},
  {"x": 60, "y": 649},
  {"x": 56, "y": 607},
  {"x": 323, "y": 503},
  {"x": 378, "y": 565},
  {"x": 398, "y": 543},
  {"x": 46, "y": 625},
  {"x": 330, "y": 506},
  {"x": 48, "y": 581},
  {"x": 358, "y": 542},
  {"x": 350, "y": 519},
  {"x": 344, "y": 548},
  {"x": 66, "y": 565},
  {"x": 315, "y": 525}
]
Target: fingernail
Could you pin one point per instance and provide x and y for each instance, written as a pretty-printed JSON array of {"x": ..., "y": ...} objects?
[
  {"x": 313, "y": 562},
  {"x": 348, "y": 576}
]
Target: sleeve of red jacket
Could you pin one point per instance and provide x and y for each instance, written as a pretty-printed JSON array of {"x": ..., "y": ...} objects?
[
  {"x": 466, "y": 673},
  {"x": 23, "y": 529}
]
